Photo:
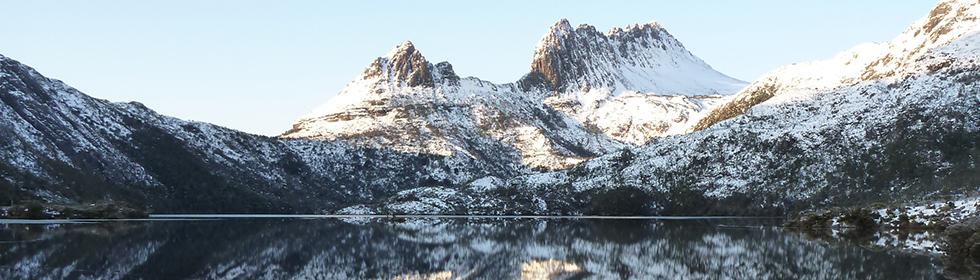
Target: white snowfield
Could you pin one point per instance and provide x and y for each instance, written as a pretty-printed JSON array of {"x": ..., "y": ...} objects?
[{"x": 640, "y": 83}]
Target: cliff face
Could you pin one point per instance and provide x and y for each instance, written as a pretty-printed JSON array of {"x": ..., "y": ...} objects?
[
  {"x": 404, "y": 65},
  {"x": 642, "y": 58}
]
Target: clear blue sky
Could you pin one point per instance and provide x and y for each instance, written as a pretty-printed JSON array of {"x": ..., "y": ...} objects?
[{"x": 258, "y": 65}]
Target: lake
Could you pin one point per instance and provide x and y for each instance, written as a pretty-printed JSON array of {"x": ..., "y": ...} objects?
[{"x": 321, "y": 247}]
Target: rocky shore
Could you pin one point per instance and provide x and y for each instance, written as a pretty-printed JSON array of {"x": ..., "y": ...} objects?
[
  {"x": 100, "y": 210},
  {"x": 948, "y": 228}
]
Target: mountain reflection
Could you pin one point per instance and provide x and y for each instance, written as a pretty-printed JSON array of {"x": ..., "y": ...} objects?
[{"x": 438, "y": 249}]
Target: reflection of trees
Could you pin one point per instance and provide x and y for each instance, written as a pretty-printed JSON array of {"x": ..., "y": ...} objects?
[{"x": 481, "y": 249}]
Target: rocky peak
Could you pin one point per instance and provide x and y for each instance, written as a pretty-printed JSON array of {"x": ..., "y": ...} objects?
[
  {"x": 580, "y": 58},
  {"x": 561, "y": 26},
  {"x": 404, "y": 65},
  {"x": 650, "y": 29},
  {"x": 444, "y": 74},
  {"x": 400, "y": 68}
]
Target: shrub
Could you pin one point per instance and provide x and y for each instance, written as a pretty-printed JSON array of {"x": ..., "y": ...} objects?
[
  {"x": 621, "y": 201},
  {"x": 860, "y": 218}
]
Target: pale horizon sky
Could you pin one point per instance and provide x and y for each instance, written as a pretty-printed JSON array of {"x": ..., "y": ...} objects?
[{"x": 257, "y": 66}]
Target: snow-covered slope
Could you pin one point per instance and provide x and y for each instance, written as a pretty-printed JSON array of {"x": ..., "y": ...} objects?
[
  {"x": 61, "y": 145},
  {"x": 404, "y": 102},
  {"x": 911, "y": 131},
  {"x": 891, "y": 61}
]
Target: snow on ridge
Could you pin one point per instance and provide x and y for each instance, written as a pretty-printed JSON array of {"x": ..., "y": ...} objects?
[
  {"x": 406, "y": 103},
  {"x": 919, "y": 49},
  {"x": 947, "y": 22}
]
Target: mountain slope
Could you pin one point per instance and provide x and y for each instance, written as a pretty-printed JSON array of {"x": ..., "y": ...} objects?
[
  {"x": 404, "y": 102},
  {"x": 947, "y": 22},
  {"x": 61, "y": 145},
  {"x": 911, "y": 133}
]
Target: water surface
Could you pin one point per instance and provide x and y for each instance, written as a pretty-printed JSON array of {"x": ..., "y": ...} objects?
[{"x": 317, "y": 247}]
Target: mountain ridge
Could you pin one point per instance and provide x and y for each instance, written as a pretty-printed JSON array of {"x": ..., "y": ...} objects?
[
  {"x": 409, "y": 136},
  {"x": 809, "y": 142},
  {"x": 396, "y": 102},
  {"x": 947, "y": 21}
]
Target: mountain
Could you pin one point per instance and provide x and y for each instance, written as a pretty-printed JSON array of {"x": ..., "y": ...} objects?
[
  {"x": 404, "y": 124},
  {"x": 884, "y": 122},
  {"x": 642, "y": 58},
  {"x": 60, "y": 145},
  {"x": 633, "y": 85},
  {"x": 587, "y": 94},
  {"x": 406, "y": 103}
]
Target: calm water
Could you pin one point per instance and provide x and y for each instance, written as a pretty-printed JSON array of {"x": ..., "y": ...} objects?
[{"x": 445, "y": 248}]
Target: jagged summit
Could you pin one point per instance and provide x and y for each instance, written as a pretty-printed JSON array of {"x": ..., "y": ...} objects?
[
  {"x": 640, "y": 57},
  {"x": 562, "y": 25},
  {"x": 400, "y": 68},
  {"x": 404, "y": 65},
  {"x": 652, "y": 25}
]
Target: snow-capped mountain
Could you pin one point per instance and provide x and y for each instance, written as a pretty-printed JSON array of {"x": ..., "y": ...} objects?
[
  {"x": 884, "y": 122},
  {"x": 881, "y": 122},
  {"x": 406, "y": 103},
  {"x": 587, "y": 94},
  {"x": 405, "y": 123},
  {"x": 60, "y": 145},
  {"x": 642, "y": 58},
  {"x": 633, "y": 85}
]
